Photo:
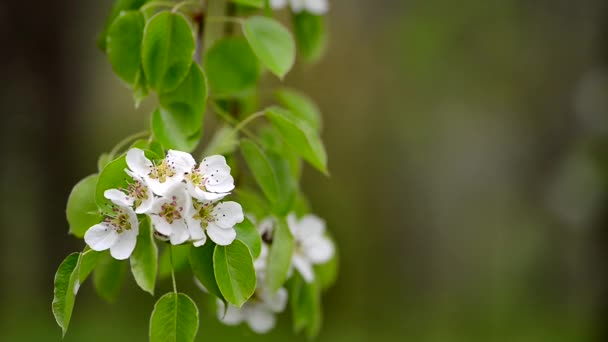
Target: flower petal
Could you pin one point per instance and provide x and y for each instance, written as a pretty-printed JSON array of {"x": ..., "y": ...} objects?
[
  {"x": 118, "y": 197},
  {"x": 213, "y": 163},
  {"x": 319, "y": 249},
  {"x": 161, "y": 225},
  {"x": 146, "y": 204},
  {"x": 195, "y": 227},
  {"x": 278, "y": 4},
  {"x": 276, "y": 301},
  {"x": 227, "y": 214},
  {"x": 181, "y": 161},
  {"x": 221, "y": 236},
  {"x": 312, "y": 225},
  {"x": 138, "y": 163},
  {"x": 124, "y": 246},
  {"x": 303, "y": 266},
  {"x": 318, "y": 7},
  {"x": 220, "y": 183},
  {"x": 100, "y": 237},
  {"x": 233, "y": 315},
  {"x": 260, "y": 319},
  {"x": 179, "y": 232}
]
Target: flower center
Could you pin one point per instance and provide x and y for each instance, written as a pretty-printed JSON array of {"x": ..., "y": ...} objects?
[
  {"x": 170, "y": 211},
  {"x": 197, "y": 179},
  {"x": 119, "y": 220},
  {"x": 162, "y": 171},
  {"x": 138, "y": 192},
  {"x": 203, "y": 211}
]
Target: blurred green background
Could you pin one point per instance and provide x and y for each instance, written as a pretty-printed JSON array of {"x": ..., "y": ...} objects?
[{"x": 468, "y": 188}]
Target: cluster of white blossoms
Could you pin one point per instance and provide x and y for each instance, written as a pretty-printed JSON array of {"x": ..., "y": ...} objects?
[
  {"x": 318, "y": 7},
  {"x": 182, "y": 200},
  {"x": 312, "y": 247}
]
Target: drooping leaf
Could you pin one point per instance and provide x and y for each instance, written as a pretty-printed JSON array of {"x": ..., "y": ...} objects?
[
  {"x": 144, "y": 260},
  {"x": 108, "y": 276},
  {"x": 66, "y": 280},
  {"x": 168, "y": 133},
  {"x": 246, "y": 232},
  {"x": 102, "y": 161},
  {"x": 140, "y": 88},
  {"x": 261, "y": 169},
  {"x": 272, "y": 43},
  {"x": 301, "y": 106},
  {"x": 181, "y": 253},
  {"x": 124, "y": 45},
  {"x": 201, "y": 261},
  {"x": 252, "y": 3},
  {"x": 300, "y": 136},
  {"x": 119, "y": 6},
  {"x": 233, "y": 269},
  {"x": 232, "y": 67},
  {"x": 326, "y": 274},
  {"x": 311, "y": 35},
  {"x": 272, "y": 141},
  {"x": 88, "y": 261},
  {"x": 279, "y": 258},
  {"x": 81, "y": 210},
  {"x": 174, "y": 319},
  {"x": 287, "y": 184},
  {"x": 305, "y": 302},
  {"x": 223, "y": 142},
  {"x": 113, "y": 176},
  {"x": 167, "y": 50}
]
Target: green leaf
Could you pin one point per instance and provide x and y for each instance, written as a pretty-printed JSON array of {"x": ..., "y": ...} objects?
[
  {"x": 108, "y": 276},
  {"x": 124, "y": 45},
  {"x": 223, "y": 142},
  {"x": 252, "y": 3},
  {"x": 88, "y": 261},
  {"x": 174, "y": 319},
  {"x": 252, "y": 202},
  {"x": 272, "y": 43},
  {"x": 311, "y": 35},
  {"x": 272, "y": 141},
  {"x": 119, "y": 6},
  {"x": 81, "y": 210},
  {"x": 113, "y": 176},
  {"x": 64, "y": 293},
  {"x": 144, "y": 260},
  {"x": 167, "y": 50},
  {"x": 233, "y": 269},
  {"x": 181, "y": 253},
  {"x": 261, "y": 169},
  {"x": 201, "y": 261},
  {"x": 287, "y": 183},
  {"x": 301, "y": 106},
  {"x": 103, "y": 160},
  {"x": 246, "y": 232},
  {"x": 232, "y": 67},
  {"x": 300, "y": 136},
  {"x": 279, "y": 257},
  {"x": 327, "y": 273},
  {"x": 305, "y": 302},
  {"x": 140, "y": 89},
  {"x": 168, "y": 133},
  {"x": 184, "y": 107}
]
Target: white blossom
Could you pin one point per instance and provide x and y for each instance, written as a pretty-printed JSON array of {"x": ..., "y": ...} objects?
[
  {"x": 318, "y": 7},
  {"x": 168, "y": 214},
  {"x": 118, "y": 232},
  {"x": 311, "y": 246},
  {"x": 162, "y": 176},
  {"x": 216, "y": 218},
  {"x": 137, "y": 195},
  {"x": 211, "y": 180}
]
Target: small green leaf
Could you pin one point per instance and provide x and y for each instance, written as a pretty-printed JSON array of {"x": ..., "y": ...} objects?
[
  {"x": 201, "y": 261},
  {"x": 287, "y": 184},
  {"x": 174, "y": 319},
  {"x": 311, "y": 35},
  {"x": 272, "y": 43},
  {"x": 279, "y": 258},
  {"x": 246, "y": 232},
  {"x": 124, "y": 45},
  {"x": 305, "y": 302},
  {"x": 232, "y": 67},
  {"x": 252, "y": 3},
  {"x": 144, "y": 260},
  {"x": 108, "y": 276},
  {"x": 119, "y": 6},
  {"x": 261, "y": 169},
  {"x": 64, "y": 295},
  {"x": 167, "y": 50},
  {"x": 233, "y": 269},
  {"x": 185, "y": 106},
  {"x": 223, "y": 142},
  {"x": 140, "y": 89},
  {"x": 253, "y": 203},
  {"x": 181, "y": 253},
  {"x": 81, "y": 210},
  {"x": 300, "y": 105},
  {"x": 300, "y": 136},
  {"x": 169, "y": 134},
  {"x": 327, "y": 273},
  {"x": 113, "y": 176},
  {"x": 88, "y": 261}
]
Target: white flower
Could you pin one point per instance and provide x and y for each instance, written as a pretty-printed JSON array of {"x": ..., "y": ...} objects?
[
  {"x": 318, "y": 7},
  {"x": 311, "y": 245},
  {"x": 163, "y": 176},
  {"x": 138, "y": 194},
  {"x": 211, "y": 180},
  {"x": 218, "y": 219},
  {"x": 168, "y": 214},
  {"x": 118, "y": 232}
]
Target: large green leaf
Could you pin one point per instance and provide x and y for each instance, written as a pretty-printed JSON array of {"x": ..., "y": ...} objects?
[
  {"x": 305, "y": 302},
  {"x": 88, "y": 261},
  {"x": 252, "y": 3},
  {"x": 287, "y": 183},
  {"x": 233, "y": 269},
  {"x": 232, "y": 68},
  {"x": 300, "y": 136},
  {"x": 272, "y": 43},
  {"x": 246, "y": 232},
  {"x": 66, "y": 286},
  {"x": 108, "y": 276},
  {"x": 279, "y": 258},
  {"x": 124, "y": 45},
  {"x": 300, "y": 105},
  {"x": 181, "y": 253},
  {"x": 201, "y": 261},
  {"x": 81, "y": 210},
  {"x": 252, "y": 202},
  {"x": 174, "y": 319},
  {"x": 119, "y": 6},
  {"x": 169, "y": 134},
  {"x": 261, "y": 169},
  {"x": 144, "y": 260},
  {"x": 186, "y": 104},
  {"x": 167, "y": 50},
  {"x": 113, "y": 176},
  {"x": 311, "y": 35}
]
